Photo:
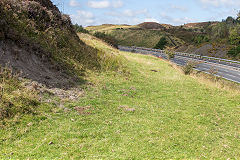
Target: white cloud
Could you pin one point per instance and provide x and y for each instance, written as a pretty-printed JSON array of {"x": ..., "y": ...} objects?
[
  {"x": 74, "y": 3},
  {"x": 105, "y": 4},
  {"x": 83, "y": 18},
  {"x": 151, "y": 20},
  {"x": 117, "y": 4},
  {"x": 176, "y": 21},
  {"x": 180, "y": 8},
  {"x": 132, "y": 13},
  {"x": 127, "y": 16},
  {"x": 99, "y": 4},
  {"x": 127, "y": 13},
  {"x": 221, "y": 3}
]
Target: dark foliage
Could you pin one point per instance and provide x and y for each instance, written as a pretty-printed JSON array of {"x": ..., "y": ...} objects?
[
  {"x": 234, "y": 52},
  {"x": 161, "y": 44},
  {"x": 79, "y": 28},
  {"x": 200, "y": 39}
]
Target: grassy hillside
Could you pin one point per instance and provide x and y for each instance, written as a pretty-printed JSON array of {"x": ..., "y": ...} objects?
[
  {"x": 219, "y": 39},
  {"x": 40, "y": 24},
  {"x": 143, "y": 38},
  {"x": 121, "y": 106},
  {"x": 108, "y": 27},
  {"x": 148, "y": 113},
  {"x": 136, "y": 35},
  {"x": 39, "y": 43}
]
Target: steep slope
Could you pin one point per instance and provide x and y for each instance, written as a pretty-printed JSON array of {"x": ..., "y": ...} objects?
[
  {"x": 40, "y": 42},
  {"x": 40, "y": 53}
]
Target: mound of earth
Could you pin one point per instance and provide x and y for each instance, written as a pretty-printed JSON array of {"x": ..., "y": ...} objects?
[
  {"x": 151, "y": 25},
  {"x": 30, "y": 62},
  {"x": 39, "y": 41}
]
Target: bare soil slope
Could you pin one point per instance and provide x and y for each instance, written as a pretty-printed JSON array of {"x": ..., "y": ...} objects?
[
  {"x": 32, "y": 64},
  {"x": 39, "y": 41}
]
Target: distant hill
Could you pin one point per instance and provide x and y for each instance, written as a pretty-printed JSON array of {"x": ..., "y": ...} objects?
[
  {"x": 206, "y": 38},
  {"x": 200, "y": 24},
  {"x": 109, "y": 27},
  {"x": 151, "y": 25}
]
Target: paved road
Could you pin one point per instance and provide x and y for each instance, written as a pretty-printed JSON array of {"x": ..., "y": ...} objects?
[{"x": 226, "y": 71}]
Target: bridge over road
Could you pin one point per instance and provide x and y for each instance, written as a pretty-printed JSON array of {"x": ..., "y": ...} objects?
[{"x": 225, "y": 68}]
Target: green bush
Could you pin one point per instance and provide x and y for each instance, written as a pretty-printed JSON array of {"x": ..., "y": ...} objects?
[
  {"x": 161, "y": 44},
  {"x": 234, "y": 36},
  {"x": 200, "y": 39},
  {"x": 80, "y": 29},
  {"x": 170, "y": 53},
  {"x": 220, "y": 31},
  {"x": 188, "y": 67},
  {"x": 15, "y": 99},
  {"x": 234, "y": 52}
]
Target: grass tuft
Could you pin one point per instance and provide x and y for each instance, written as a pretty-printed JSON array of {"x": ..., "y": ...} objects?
[{"x": 15, "y": 99}]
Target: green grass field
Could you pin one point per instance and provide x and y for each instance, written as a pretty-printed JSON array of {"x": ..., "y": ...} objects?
[{"x": 141, "y": 115}]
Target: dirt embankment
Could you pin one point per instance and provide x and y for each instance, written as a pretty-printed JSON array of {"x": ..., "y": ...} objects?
[
  {"x": 31, "y": 63},
  {"x": 39, "y": 42}
]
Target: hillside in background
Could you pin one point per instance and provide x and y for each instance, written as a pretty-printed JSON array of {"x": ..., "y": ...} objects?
[
  {"x": 218, "y": 39},
  {"x": 143, "y": 35}
]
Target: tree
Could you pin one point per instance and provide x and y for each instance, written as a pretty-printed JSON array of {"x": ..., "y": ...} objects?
[
  {"x": 238, "y": 16},
  {"x": 221, "y": 30},
  {"x": 80, "y": 29},
  {"x": 234, "y": 52},
  {"x": 161, "y": 44},
  {"x": 234, "y": 36},
  {"x": 230, "y": 20}
]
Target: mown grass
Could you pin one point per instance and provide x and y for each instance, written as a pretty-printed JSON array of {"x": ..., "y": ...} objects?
[{"x": 175, "y": 117}]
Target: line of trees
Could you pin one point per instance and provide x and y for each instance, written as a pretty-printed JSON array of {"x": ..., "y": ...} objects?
[{"x": 80, "y": 28}]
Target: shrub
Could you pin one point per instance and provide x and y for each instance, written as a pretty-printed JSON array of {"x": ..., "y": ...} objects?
[
  {"x": 234, "y": 36},
  {"x": 213, "y": 71},
  {"x": 161, "y": 44},
  {"x": 107, "y": 38},
  {"x": 170, "y": 53},
  {"x": 15, "y": 99},
  {"x": 221, "y": 30},
  {"x": 200, "y": 39},
  {"x": 234, "y": 52},
  {"x": 80, "y": 29},
  {"x": 188, "y": 67}
]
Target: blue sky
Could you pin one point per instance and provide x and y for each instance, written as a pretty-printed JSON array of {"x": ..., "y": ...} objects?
[{"x": 175, "y": 12}]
